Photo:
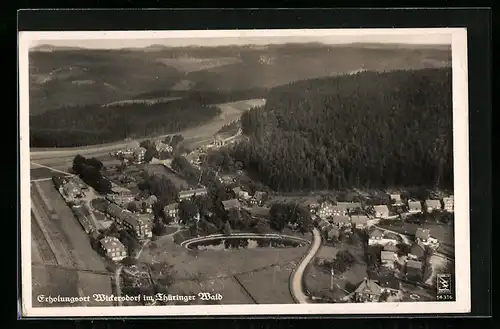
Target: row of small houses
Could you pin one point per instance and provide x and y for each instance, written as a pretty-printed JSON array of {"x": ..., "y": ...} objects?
[{"x": 329, "y": 209}]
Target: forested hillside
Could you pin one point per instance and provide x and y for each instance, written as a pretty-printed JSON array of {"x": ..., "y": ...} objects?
[
  {"x": 94, "y": 124},
  {"x": 366, "y": 130}
]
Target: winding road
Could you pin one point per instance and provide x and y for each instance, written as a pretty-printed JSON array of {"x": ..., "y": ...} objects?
[{"x": 296, "y": 282}]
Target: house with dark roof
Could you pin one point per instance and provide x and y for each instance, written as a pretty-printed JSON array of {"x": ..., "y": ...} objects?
[
  {"x": 130, "y": 221},
  {"x": 262, "y": 212},
  {"x": 341, "y": 221},
  {"x": 231, "y": 204},
  {"x": 389, "y": 284},
  {"x": 417, "y": 251},
  {"x": 367, "y": 291},
  {"x": 413, "y": 269},
  {"x": 422, "y": 234},
  {"x": 359, "y": 221}
]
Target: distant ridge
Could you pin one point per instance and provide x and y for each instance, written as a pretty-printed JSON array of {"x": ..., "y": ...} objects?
[
  {"x": 159, "y": 47},
  {"x": 51, "y": 48}
]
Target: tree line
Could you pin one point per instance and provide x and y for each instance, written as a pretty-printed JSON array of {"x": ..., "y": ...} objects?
[
  {"x": 365, "y": 130},
  {"x": 93, "y": 124},
  {"x": 89, "y": 170}
]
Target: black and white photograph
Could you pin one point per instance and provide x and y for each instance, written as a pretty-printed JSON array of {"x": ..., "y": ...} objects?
[{"x": 239, "y": 172}]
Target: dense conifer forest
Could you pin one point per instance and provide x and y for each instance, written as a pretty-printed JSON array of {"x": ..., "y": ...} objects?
[
  {"x": 94, "y": 124},
  {"x": 364, "y": 130}
]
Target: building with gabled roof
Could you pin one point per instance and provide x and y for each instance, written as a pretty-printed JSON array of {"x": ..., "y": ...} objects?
[
  {"x": 389, "y": 284},
  {"x": 449, "y": 203},
  {"x": 359, "y": 221},
  {"x": 417, "y": 251},
  {"x": 432, "y": 205},
  {"x": 388, "y": 258},
  {"x": 395, "y": 199},
  {"x": 113, "y": 248},
  {"x": 414, "y": 206},
  {"x": 341, "y": 221},
  {"x": 367, "y": 291},
  {"x": 381, "y": 211},
  {"x": 172, "y": 211}
]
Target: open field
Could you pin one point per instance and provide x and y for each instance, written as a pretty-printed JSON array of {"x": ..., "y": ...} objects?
[
  {"x": 157, "y": 169},
  {"x": 68, "y": 248},
  {"x": 91, "y": 283},
  {"x": 41, "y": 251},
  {"x": 208, "y": 264},
  {"x": 41, "y": 173},
  {"x": 270, "y": 285},
  {"x": 187, "y": 65},
  {"x": 52, "y": 281},
  {"x": 142, "y": 101},
  {"x": 229, "y": 288},
  {"x": 317, "y": 279},
  {"x": 77, "y": 241}
]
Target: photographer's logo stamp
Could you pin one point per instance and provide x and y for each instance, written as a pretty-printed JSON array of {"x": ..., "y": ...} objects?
[{"x": 443, "y": 284}]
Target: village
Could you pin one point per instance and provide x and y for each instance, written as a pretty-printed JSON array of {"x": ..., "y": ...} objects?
[{"x": 128, "y": 216}]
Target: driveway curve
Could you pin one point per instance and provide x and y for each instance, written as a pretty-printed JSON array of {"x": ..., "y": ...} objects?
[{"x": 296, "y": 286}]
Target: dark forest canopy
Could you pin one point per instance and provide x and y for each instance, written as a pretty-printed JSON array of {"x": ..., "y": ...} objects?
[
  {"x": 364, "y": 130},
  {"x": 93, "y": 124}
]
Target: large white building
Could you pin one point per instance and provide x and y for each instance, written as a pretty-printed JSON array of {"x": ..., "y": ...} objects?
[
  {"x": 449, "y": 203},
  {"x": 113, "y": 248}
]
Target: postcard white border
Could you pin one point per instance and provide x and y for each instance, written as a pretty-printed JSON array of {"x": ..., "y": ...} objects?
[{"x": 461, "y": 184}]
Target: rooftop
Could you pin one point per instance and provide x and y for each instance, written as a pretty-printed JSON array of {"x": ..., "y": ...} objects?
[
  {"x": 386, "y": 255},
  {"x": 368, "y": 287},
  {"x": 172, "y": 206},
  {"x": 381, "y": 208},
  {"x": 341, "y": 219},
  {"x": 388, "y": 281},
  {"x": 433, "y": 203},
  {"x": 202, "y": 190},
  {"x": 233, "y": 203},
  {"x": 359, "y": 219},
  {"x": 111, "y": 242},
  {"x": 414, "y": 204}
]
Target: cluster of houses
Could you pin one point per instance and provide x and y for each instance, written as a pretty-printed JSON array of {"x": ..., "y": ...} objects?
[
  {"x": 332, "y": 212},
  {"x": 256, "y": 200},
  {"x": 136, "y": 153},
  {"x": 71, "y": 188},
  {"x": 372, "y": 290},
  {"x": 172, "y": 210}
]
